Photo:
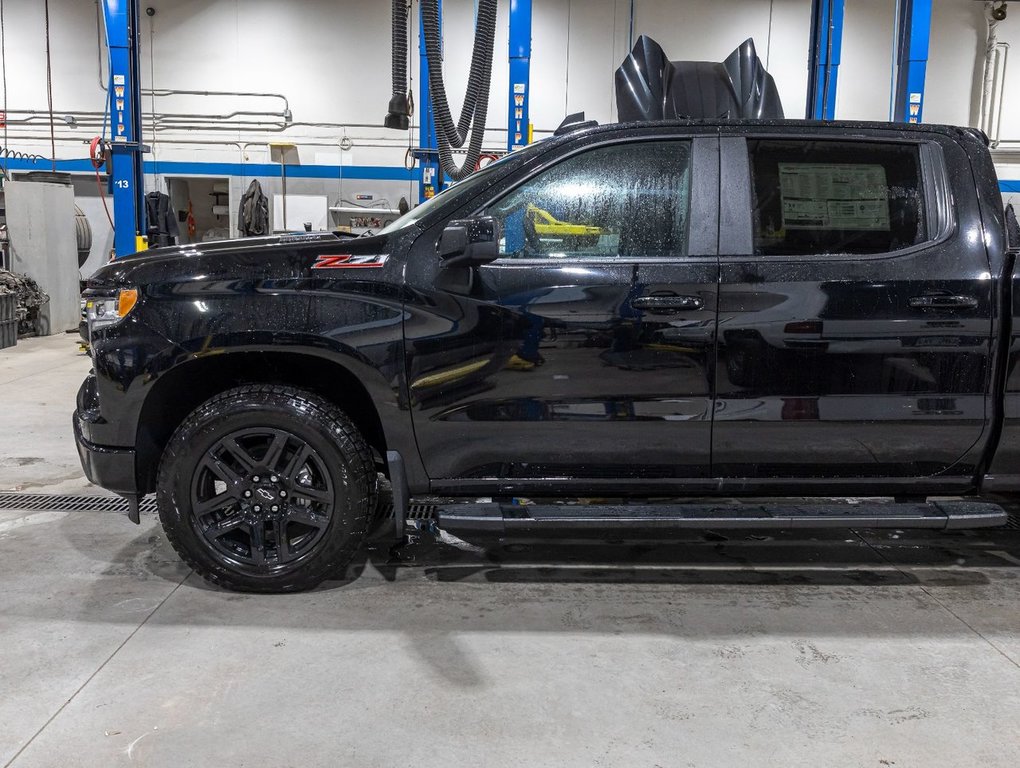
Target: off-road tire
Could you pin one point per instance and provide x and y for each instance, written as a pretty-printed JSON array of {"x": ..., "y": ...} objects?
[{"x": 309, "y": 418}]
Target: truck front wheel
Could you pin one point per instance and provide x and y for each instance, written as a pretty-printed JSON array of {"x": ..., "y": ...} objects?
[{"x": 266, "y": 489}]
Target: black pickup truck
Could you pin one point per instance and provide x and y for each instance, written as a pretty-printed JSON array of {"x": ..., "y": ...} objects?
[{"x": 634, "y": 313}]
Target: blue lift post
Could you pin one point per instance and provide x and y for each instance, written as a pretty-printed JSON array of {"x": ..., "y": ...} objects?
[
  {"x": 431, "y": 181},
  {"x": 519, "y": 112},
  {"x": 823, "y": 58},
  {"x": 911, "y": 59},
  {"x": 127, "y": 176}
]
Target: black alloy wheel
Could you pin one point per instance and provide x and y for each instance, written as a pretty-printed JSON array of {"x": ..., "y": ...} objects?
[{"x": 262, "y": 498}]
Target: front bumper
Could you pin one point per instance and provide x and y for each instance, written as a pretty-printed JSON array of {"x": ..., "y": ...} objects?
[{"x": 109, "y": 468}]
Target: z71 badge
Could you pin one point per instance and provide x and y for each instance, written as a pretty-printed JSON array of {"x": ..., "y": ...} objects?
[{"x": 347, "y": 261}]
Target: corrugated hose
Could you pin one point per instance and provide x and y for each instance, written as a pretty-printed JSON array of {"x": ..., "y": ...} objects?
[
  {"x": 399, "y": 47},
  {"x": 476, "y": 98}
]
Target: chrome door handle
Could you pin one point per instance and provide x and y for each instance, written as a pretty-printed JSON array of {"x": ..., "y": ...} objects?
[
  {"x": 667, "y": 303},
  {"x": 943, "y": 301}
]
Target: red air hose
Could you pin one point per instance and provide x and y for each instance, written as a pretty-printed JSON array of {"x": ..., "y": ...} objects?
[{"x": 97, "y": 154}]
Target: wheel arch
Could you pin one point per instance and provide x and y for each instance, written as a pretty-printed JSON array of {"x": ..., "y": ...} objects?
[{"x": 181, "y": 389}]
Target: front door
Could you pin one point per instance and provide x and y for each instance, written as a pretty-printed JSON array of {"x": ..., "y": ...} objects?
[
  {"x": 581, "y": 358},
  {"x": 855, "y": 317}
]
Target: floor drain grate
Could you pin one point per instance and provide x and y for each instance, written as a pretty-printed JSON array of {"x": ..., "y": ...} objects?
[
  {"x": 38, "y": 502},
  {"x": 1013, "y": 521}
]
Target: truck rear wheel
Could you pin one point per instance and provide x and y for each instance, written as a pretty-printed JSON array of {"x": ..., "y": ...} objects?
[{"x": 266, "y": 489}]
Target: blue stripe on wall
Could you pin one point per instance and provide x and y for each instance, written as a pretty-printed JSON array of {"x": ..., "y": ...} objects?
[
  {"x": 248, "y": 170},
  {"x": 68, "y": 166},
  {"x": 272, "y": 170}
]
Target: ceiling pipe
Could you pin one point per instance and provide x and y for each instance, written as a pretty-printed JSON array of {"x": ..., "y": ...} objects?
[{"x": 988, "y": 75}]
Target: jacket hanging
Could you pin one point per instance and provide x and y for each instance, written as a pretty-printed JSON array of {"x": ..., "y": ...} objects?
[
  {"x": 161, "y": 227},
  {"x": 253, "y": 218}
]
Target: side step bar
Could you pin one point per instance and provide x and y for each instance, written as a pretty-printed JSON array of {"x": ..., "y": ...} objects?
[{"x": 510, "y": 519}]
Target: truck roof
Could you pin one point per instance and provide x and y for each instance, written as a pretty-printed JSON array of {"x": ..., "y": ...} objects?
[{"x": 826, "y": 126}]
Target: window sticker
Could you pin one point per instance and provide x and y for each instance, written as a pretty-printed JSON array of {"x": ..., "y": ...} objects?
[{"x": 834, "y": 196}]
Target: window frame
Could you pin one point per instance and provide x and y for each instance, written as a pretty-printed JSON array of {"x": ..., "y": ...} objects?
[
  {"x": 702, "y": 214},
  {"x": 737, "y": 183}
]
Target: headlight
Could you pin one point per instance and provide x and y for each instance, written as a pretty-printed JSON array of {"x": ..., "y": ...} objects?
[{"x": 104, "y": 311}]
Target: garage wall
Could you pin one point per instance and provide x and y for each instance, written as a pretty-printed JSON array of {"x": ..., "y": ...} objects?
[
  {"x": 864, "y": 89},
  {"x": 330, "y": 58}
]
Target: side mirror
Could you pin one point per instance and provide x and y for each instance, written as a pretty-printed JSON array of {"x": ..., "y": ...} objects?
[{"x": 469, "y": 242}]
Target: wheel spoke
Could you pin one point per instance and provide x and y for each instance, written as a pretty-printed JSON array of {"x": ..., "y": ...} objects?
[
  {"x": 221, "y": 470},
  {"x": 297, "y": 461},
  {"x": 216, "y": 503},
  {"x": 216, "y": 530},
  {"x": 231, "y": 446},
  {"x": 283, "y": 553},
  {"x": 257, "y": 539},
  {"x": 312, "y": 494},
  {"x": 297, "y": 513},
  {"x": 275, "y": 451}
]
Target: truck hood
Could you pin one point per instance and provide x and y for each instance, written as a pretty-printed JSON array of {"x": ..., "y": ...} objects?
[{"x": 235, "y": 257}]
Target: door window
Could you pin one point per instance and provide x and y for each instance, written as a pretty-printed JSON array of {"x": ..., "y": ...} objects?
[
  {"x": 619, "y": 201},
  {"x": 835, "y": 197}
]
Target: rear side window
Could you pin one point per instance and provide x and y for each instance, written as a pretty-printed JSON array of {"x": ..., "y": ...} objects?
[{"x": 835, "y": 197}]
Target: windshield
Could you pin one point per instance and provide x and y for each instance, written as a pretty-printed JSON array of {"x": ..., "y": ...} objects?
[{"x": 419, "y": 212}]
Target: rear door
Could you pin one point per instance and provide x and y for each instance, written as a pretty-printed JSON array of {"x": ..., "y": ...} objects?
[
  {"x": 581, "y": 357},
  {"x": 854, "y": 310}
]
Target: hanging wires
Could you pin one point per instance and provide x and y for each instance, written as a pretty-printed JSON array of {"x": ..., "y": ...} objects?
[
  {"x": 410, "y": 104},
  {"x": 3, "y": 68},
  {"x": 49, "y": 88}
]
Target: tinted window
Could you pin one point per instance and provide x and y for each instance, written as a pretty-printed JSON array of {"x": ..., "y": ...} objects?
[
  {"x": 625, "y": 200},
  {"x": 838, "y": 197}
]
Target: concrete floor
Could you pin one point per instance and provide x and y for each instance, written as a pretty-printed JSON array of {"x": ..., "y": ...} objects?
[{"x": 844, "y": 649}]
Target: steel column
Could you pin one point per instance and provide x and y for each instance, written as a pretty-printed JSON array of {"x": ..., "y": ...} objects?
[
  {"x": 431, "y": 181},
  {"x": 518, "y": 112},
  {"x": 911, "y": 59},
  {"x": 823, "y": 58},
  {"x": 127, "y": 177}
]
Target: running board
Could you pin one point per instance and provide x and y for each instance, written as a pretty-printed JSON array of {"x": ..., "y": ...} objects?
[{"x": 534, "y": 518}]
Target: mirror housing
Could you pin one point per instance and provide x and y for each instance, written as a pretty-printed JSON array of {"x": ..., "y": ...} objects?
[{"x": 469, "y": 242}]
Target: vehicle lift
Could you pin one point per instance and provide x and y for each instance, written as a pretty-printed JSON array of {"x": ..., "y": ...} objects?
[
  {"x": 432, "y": 181},
  {"x": 913, "y": 31},
  {"x": 127, "y": 173}
]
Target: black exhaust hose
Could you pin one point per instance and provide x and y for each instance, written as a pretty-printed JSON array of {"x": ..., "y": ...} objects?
[
  {"x": 476, "y": 98},
  {"x": 399, "y": 109}
]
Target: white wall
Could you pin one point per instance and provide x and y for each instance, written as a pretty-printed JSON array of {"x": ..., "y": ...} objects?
[
  {"x": 331, "y": 58},
  {"x": 953, "y": 80},
  {"x": 866, "y": 65}
]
